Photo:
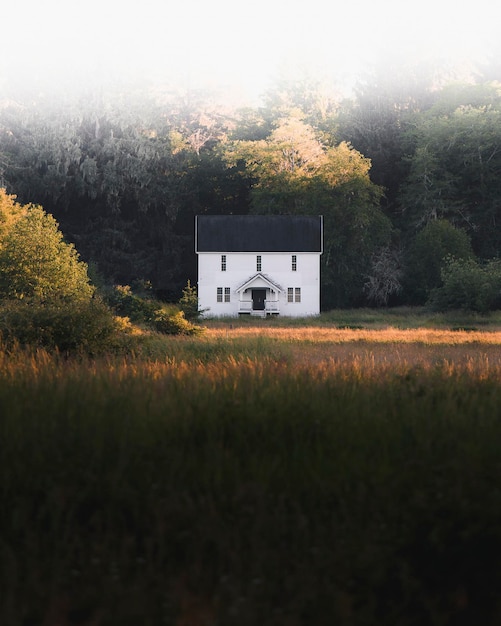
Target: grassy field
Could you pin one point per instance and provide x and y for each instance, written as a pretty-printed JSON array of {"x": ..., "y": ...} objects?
[{"x": 342, "y": 472}]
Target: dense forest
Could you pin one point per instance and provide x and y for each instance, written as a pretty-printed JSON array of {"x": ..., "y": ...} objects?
[{"x": 407, "y": 173}]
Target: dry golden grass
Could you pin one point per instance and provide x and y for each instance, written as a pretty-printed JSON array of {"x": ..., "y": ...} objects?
[
  {"x": 222, "y": 352},
  {"x": 172, "y": 485},
  {"x": 375, "y": 352},
  {"x": 344, "y": 335}
]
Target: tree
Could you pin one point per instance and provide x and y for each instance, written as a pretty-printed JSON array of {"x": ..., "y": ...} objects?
[
  {"x": 291, "y": 150},
  {"x": 316, "y": 99},
  {"x": 188, "y": 302},
  {"x": 385, "y": 278},
  {"x": 36, "y": 263},
  {"x": 45, "y": 292},
  {"x": 426, "y": 256},
  {"x": 454, "y": 168},
  {"x": 10, "y": 212},
  {"x": 469, "y": 286},
  {"x": 378, "y": 120},
  {"x": 294, "y": 173}
]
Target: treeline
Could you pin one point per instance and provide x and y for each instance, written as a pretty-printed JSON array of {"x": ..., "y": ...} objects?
[{"x": 406, "y": 174}]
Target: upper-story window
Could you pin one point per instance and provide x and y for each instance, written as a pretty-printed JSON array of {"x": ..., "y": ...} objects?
[
  {"x": 223, "y": 262},
  {"x": 258, "y": 263},
  {"x": 294, "y": 263}
]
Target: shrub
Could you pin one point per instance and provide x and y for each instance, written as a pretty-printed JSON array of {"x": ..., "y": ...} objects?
[
  {"x": 69, "y": 327},
  {"x": 126, "y": 303},
  {"x": 469, "y": 286},
  {"x": 175, "y": 324},
  {"x": 167, "y": 319},
  {"x": 437, "y": 241}
]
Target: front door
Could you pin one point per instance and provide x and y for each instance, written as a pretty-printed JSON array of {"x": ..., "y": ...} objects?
[{"x": 258, "y": 297}]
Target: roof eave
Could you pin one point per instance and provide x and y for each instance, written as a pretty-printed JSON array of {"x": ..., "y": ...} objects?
[{"x": 249, "y": 282}]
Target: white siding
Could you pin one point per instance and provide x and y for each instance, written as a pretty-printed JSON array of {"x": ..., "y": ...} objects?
[{"x": 277, "y": 267}]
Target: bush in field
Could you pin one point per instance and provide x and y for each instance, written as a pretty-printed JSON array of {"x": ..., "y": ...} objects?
[
  {"x": 36, "y": 262},
  {"x": 469, "y": 286},
  {"x": 175, "y": 324},
  {"x": 70, "y": 326},
  {"x": 128, "y": 304},
  {"x": 160, "y": 317}
]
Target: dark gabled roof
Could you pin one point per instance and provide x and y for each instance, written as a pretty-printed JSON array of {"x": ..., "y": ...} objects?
[{"x": 258, "y": 233}]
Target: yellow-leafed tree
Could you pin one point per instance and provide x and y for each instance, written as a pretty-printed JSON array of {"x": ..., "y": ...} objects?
[{"x": 35, "y": 261}]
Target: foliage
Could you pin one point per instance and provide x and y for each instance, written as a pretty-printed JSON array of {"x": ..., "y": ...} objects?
[
  {"x": 385, "y": 278},
  {"x": 127, "y": 304},
  {"x": 47, "y": 298},
  {"x": 124, "y": 177},
  {"x": 294, "y": 173},
  {"x": 188, "y": 302},
  {"x": 174, "y": 324},
  {"x": 454, "y": 169},
  {"x": 468, "y": 285},
  {"x": 10, "y": 212},
  {"x": 73, "y": 326},
  {"x": 36, "y": 263},
  {"x": 379, "y": 120},
  {"x": 317, "y": 101},
  {"x": 427, "y": 252},
  {"x": 152, "y": 313}
]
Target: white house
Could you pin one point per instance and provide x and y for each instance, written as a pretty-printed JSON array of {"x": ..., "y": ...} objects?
[{"x": 259, "y": 264}]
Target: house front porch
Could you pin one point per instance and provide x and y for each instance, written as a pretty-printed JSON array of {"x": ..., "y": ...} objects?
[
  {"x": 259, "y": 296},
  {"x": 245, "y": 307}
]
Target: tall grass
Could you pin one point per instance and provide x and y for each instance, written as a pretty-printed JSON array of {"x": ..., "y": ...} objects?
[
  {"x": 398, "y": 317},
  {"x": 262, "y": 479}
]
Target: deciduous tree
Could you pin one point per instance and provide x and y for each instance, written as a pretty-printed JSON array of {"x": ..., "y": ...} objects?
[
  {"x": 454, "y": 170},
  {"x": 36, "y": 262},
  {"x": 426, "y": 256},
  {"x": 10, "y": 212},
  {"x": 294, "y": 173}
]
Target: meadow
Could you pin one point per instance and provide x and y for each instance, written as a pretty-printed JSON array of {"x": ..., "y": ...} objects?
[{"x": 343, "y": 471}]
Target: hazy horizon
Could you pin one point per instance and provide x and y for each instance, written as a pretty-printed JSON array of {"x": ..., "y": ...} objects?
[{"x": 237, "y": 48}]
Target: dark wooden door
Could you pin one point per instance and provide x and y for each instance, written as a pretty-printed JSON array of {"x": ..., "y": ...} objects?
[{"x": 258, "y": 297}]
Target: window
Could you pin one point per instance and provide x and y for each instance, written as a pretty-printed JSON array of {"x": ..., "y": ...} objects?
[
  {"x": 258, "y": 263},
  {"x": 298, "y": 294},
  {"x": 294, "y": 263},
  {"x": 226, "y": 292},
  {"x": 290, "y": 294},
  {"x": 223, "y": 262},
  {"x": 293, "y": 294}
]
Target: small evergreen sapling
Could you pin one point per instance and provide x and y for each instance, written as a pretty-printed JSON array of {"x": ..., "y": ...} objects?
[{"x": 188, "y": 302}]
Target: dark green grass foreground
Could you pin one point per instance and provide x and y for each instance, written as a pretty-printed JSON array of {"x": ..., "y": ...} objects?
[{"x": 249, "y": 493}]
